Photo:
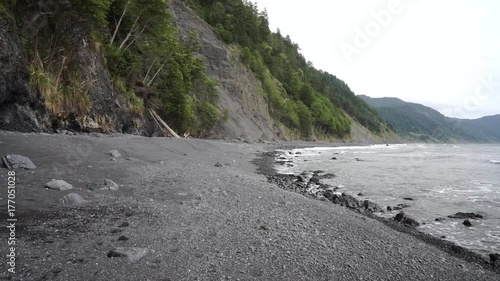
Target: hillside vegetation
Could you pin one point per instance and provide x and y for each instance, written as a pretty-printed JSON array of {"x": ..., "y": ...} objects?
[
  {"x": 422, "y": 123},
  {"x": 102, "y": 64},
  {"x": 302, "y": 98},
  {"x": 143, "y": 56}
]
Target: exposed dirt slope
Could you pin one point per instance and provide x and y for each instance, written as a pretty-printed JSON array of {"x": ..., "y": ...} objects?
[{"x": 241, "y": 92}]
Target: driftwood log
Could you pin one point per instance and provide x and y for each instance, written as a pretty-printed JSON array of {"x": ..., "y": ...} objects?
[{"x": 163, "y": 125}]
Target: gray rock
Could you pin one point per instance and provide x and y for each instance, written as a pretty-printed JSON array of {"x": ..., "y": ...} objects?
[
  {"x": 467, "y": 223},
  {"x": 404, "y": 219},
  {"x": 218, "y": 165},
  {"x": 315, "y": 180},
  {"x": 461, "y": 215},
  {"x": 132, "y": 254},
  {"x": 123, "y": 238},
  {"x": 494, "y": 257},
  {"x": 58, "y": 185},
  {"x": 73, "y": 199},
  {"x": 12, "y": 162},
  {"x": 108, "y": 184},
  {"x": 115, "y": 153}
]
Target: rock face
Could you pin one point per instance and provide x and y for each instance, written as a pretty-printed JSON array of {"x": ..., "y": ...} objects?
[
  {"x": 22, "y": 109},
  {"x": 241, "y": 92},
  {"x": 19, "y": 111}
]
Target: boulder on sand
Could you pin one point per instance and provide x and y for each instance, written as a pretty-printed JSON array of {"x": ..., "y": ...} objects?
[
  {"x": 13, "y": 162},
  {"x": 73, "y": 199},
  {"x": 115, "y": 153},
  {"x": 132, "y": 254},
  {"x": 58, "y": 185}
]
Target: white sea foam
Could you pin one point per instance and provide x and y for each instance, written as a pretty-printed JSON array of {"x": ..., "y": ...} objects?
[{"x": 495, "y": 161}]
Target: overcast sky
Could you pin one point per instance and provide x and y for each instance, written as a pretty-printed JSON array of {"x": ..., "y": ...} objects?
[{"x": 444, "y": 54}]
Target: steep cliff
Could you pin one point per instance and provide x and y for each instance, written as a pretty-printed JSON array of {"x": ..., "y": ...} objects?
[
  {"x": 66, "y": 87},
  {"x": 19, "y": 110},
  {"x": 241, "y": 93},
  {"x": 100, "y": 66}
]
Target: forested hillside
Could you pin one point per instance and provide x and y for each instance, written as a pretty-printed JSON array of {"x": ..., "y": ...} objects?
[
  {"x": 102, "y": 65},
  {"x": 86, "y": 57},
  {"x": 299, "y": 96},
  {"x": 422, "y": 123}
]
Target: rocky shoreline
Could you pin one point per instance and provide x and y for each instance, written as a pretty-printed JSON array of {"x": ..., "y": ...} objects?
[{"x": 309, "y": 184}]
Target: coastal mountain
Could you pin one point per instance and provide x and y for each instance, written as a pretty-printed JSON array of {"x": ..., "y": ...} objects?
[
  {"x": 421, "y": 123},
  {"x": 207, "y": 68}
]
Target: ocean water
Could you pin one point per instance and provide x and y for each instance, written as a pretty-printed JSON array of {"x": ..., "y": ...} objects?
[{"x": 442, "y": 179}]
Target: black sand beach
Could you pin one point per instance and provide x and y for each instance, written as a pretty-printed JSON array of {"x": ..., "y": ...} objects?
[{"x": 199, "y": 210}]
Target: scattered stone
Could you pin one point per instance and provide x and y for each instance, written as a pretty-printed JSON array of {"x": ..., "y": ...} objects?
[
  {"x": 389, "y": 208},
  {"x": 115, "y": 153},
  {"x": 359, "y": 160},
  {"x": 408, "y": 198},
  {"x": 13, "y": 162},
  {"x": 124, "y": 224},
  {"x": 301, "y": 178},
  {"x": 361, "y": 194},
  {"x": 106, "y": 184},
  {"x": 73, "y": 199},
  {"x": 443, "y": 237},
  {"x": 298, "y": 153},
  {"x": 129, "y": 213},
  {"x": 334, "y": 158},
  {"x": 494, "y": 257},
  {"x": 328, "y": 176},
  {"x": 315, "y": 179},
  {"x": 115, "y": 230},
  {"x": 406, "y": 220},
  {"x": 58, "y": 185},
  {"x": 467, "y": 223},
  {"x": 400, "y": 207},
  {"x": 218, "y": 165},
  {"x": 461, "y": 215},
  {"x": 132, "y": 254},
  {"x": 263, "y": 227},
  {"x": 123, "y": 238},
  {"x": 439, "y": 219},
  {"x": 57, "y": 270}
]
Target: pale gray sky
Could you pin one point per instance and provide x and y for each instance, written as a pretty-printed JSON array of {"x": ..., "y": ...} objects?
[{"x": 444, "y": 54}]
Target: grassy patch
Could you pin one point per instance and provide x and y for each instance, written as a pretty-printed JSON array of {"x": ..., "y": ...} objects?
[
  {"x": 59, "y": 96},
  {"x": 135, "y": 103}
]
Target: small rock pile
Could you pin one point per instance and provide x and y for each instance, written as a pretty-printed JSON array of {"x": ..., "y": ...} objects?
[{"x": 309, "y": 184}]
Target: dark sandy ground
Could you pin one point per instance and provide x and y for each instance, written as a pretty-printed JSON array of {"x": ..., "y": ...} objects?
[{"x": 199, "y": 221}]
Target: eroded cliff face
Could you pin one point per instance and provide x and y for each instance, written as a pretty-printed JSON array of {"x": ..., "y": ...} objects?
[
  {"x": 97, "y": 105},
  {"x": 94, "y": 107},
  {"x": 19, "y": 110},
  {"x": 241, "y": 93}
]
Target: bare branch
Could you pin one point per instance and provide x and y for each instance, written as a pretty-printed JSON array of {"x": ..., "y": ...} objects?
[
  {"x": 119, "y": 23},
  {"x": 156, "y": 74},
  {"x": 135, "y": 37},
  {"x": 132, "y": 29},
  {"x": 147, "y": 74}
]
